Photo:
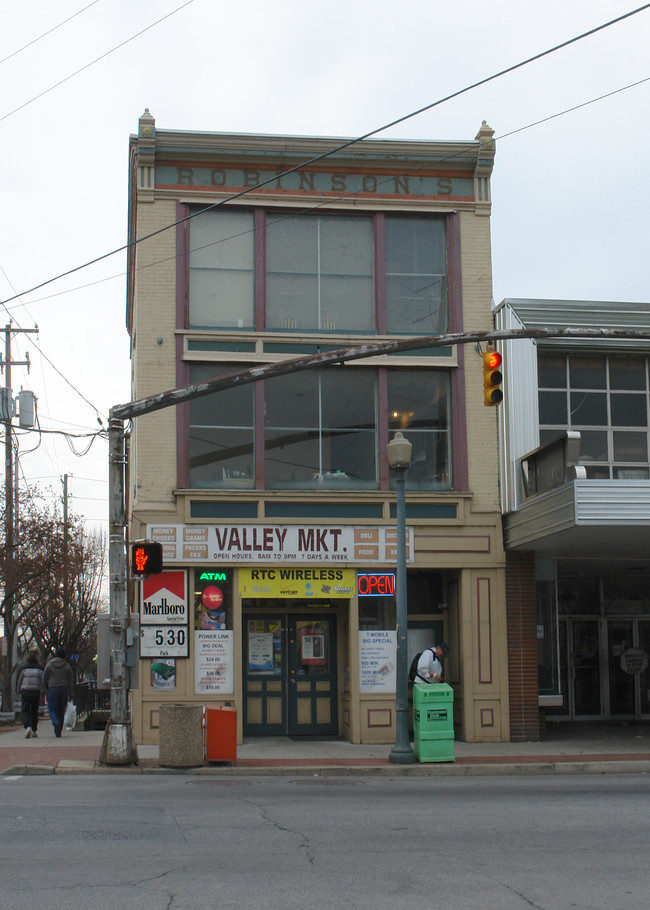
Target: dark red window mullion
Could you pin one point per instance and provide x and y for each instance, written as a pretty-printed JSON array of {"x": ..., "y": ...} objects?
[
  {"x": 259, "y": 279},
  {"x": 182, "y": 322},
  {"x": 454, "y": 277},
  {"x": 382, "y": 427},
  {"x": 258, "y": 434},
  {"x": 380, "y": 273},
  {"x": 259, "y": 252},
  {"x": 460, "y": 471},
  {"x": 182, "y": 420}
]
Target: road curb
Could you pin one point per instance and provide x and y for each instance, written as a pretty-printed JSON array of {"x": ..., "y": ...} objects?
[
  {"x": 24, "y": 770},
  {"x": 433, "y": 770}
]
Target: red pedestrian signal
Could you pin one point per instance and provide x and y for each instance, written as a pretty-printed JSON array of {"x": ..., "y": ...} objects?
[
  {"x": 146, "y": 559},
  {"x": 492, "y": 378}
]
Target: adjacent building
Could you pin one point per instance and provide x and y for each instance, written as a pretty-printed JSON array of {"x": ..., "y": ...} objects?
[
  {"x": 576, "y": 498},
  {"x": 273, "y": 499}
]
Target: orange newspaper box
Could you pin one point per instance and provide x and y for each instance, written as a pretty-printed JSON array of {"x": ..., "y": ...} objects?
[{"x": 220, "y": 733}]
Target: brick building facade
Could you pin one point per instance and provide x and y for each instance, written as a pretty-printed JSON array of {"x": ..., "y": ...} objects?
[{"x": 274, "y": 500}]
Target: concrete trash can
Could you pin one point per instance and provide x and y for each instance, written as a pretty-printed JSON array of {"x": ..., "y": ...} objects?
[
  {"x": 180, "y": 735},
  {"x": 433, "y": 722}
]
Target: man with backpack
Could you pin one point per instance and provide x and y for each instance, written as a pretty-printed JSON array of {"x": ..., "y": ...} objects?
[{"x": 429, "y": 666}]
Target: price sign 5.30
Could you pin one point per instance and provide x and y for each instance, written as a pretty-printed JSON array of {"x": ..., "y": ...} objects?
[{"x": 164, "y": 641}]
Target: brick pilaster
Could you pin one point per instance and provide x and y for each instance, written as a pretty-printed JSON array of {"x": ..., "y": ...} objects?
[{"x": 521, "y": 611}]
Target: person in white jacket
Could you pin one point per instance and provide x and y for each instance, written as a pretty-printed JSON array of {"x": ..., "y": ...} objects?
[{"x": 430, "y": 667}]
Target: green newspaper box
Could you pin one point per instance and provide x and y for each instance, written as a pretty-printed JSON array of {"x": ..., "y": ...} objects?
[{"x": 433, "y": 722}]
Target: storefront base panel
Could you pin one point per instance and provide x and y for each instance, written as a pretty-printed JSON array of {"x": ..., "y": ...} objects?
[
  {"x": 484, "y": 723},
  {"x": 377, "y": 720}
]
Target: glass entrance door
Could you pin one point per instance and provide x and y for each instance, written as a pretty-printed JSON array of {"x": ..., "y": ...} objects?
[
  {"x": 621, "y": 684},
  {"x": 290, "y": 679},
  {"x": 644, "y": 677},
  {"x": 313, "y": 696},
  {"x": 585, "y": 668}
]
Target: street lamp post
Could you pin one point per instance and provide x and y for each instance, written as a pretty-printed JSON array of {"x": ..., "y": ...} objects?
[{"x": 399, "y": 459}]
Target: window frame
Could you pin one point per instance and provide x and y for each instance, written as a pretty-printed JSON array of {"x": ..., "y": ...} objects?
[
  {"x": 601, "y": 469},
  {"x": 379, "y": 277}
]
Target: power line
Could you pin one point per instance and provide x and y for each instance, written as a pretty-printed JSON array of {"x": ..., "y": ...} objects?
[
  {"x": 576, "y": 107},
  {"x": 343, "y": 146},
  {"x": 93, "y": 62},
  {"x": 331, "y": 200},
  {"x": 48, "y": 32}
]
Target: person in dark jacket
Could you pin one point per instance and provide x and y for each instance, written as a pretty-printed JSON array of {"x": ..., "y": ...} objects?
[
  {"x": 58, "y": 685},
  {"x": 28, "y": 687}
]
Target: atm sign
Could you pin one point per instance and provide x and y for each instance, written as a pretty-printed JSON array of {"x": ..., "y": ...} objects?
[{"x": 375, "y": 584}]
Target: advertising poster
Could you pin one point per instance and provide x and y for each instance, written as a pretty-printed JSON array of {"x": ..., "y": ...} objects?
[
  {"x": 377, "y": 658},
  {"x": 164, "y": 599},
  {"x": 264, "y": 646},
  {"x": 163, "y": 674},
  {"x": 260, "y": 651},
  {"x": 213, "y": 662}
]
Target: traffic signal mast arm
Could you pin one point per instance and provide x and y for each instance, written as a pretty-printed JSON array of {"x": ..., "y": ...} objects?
[{"x": 345, "y": 355}]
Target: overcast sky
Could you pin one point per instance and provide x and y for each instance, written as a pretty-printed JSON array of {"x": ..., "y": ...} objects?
[{"x": 570, "y": 196}]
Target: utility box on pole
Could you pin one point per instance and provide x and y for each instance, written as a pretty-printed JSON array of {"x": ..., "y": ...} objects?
[
  {"x": 26, "y": 403},
  {"x": 6, "y": 404}
]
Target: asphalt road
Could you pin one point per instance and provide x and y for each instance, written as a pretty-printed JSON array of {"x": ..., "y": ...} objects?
[{"x": 186, "y": 843}]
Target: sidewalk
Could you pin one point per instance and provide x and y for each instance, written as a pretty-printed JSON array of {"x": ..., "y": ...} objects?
[{"x": 565, "y": 749}]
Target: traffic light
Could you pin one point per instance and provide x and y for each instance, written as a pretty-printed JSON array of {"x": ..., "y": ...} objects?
[
  {"x": 492, "y": 378},
  {"x": 146, "y": 559}
]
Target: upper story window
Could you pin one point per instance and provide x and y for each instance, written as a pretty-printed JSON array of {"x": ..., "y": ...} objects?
[
  {"x": 221, "y": 291},
  {"x": 416, "y": 276},
  {"x": 318, "y": 273},
  {"x": 606, "y": 399},
  {"x": 319, "y": 429}
]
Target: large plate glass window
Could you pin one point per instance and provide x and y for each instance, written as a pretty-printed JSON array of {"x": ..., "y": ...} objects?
[
  {"x": 221, "y": 270},
  {"x": 419, "y": 406},
  {"x": 321, "y": 430},
  {"x": 319, "y": 273},
  {"x": 416, "y": 275},
  {"x": 221, "y": 433}
]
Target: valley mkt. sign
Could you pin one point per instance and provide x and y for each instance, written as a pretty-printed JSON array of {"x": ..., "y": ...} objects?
[{"x": 278, "y": 544}]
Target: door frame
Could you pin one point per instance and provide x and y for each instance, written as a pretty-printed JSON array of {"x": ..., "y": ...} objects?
[{"x": 274, "y": 686}]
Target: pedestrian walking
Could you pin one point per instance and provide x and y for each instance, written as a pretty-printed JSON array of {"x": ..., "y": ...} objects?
[
  {"x": 58, "y": 685},
  {"x": 28, "y": 687}
]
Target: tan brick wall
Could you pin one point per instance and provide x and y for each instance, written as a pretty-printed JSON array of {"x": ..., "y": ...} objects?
[
  {"x": 482, "y": 450},
  {"x": 154, "y": 435}
]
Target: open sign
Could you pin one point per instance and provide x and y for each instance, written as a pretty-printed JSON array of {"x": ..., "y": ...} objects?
[{"x": 375, "y": 584}]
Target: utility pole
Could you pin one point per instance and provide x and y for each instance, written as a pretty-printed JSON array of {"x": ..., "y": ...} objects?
[
  {"x": 66, "y": 612},
  {"x": 6, "y": 416}
]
